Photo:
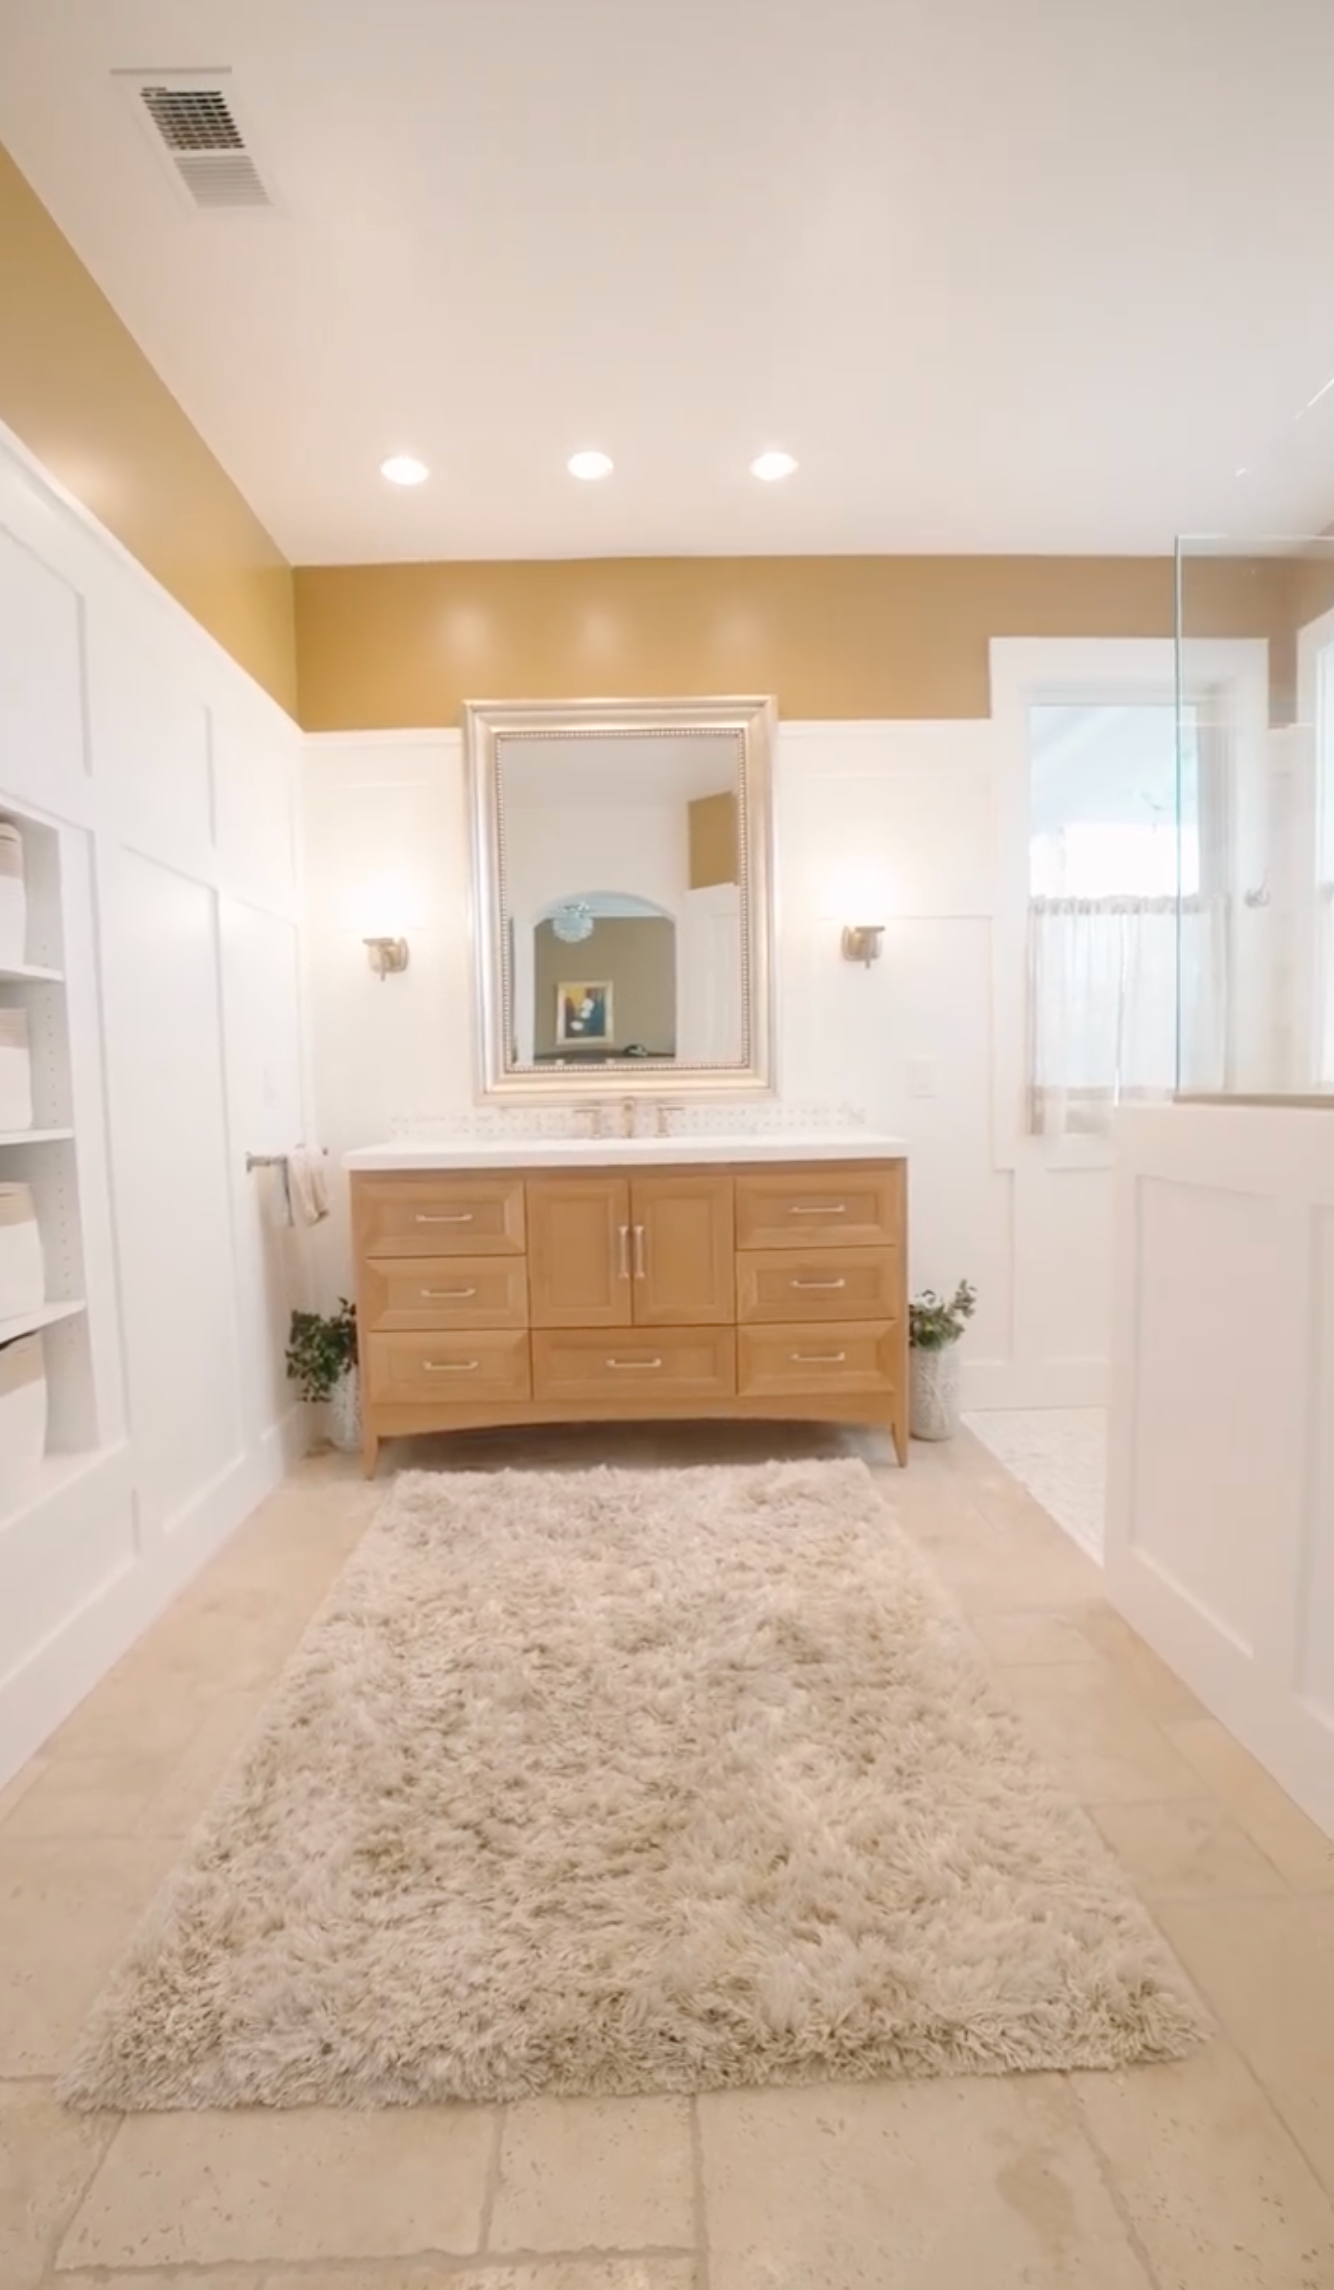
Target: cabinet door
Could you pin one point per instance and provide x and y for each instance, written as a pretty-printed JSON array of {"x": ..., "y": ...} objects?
[
  {"x": 579, "y": 1252},
  {"x": 683, "y": 1250}
]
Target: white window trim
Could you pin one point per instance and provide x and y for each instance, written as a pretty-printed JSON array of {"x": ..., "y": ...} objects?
[
  {"x": 1306, "y": 822},
  {"x": 1029, "y": 672}
]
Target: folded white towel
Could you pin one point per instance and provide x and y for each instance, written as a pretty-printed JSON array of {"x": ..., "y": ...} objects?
[{"x": 307, "y": 1183}]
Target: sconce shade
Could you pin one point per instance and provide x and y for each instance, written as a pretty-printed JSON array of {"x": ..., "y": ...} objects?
[
  {"x": 863, "y": 942},
  {"x": 386, "y": 955}
]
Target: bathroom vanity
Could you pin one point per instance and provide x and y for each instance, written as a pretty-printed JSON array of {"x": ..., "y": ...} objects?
[
  {"x": 623, "y": 927},
  {"x": 567, "y": 1281}
]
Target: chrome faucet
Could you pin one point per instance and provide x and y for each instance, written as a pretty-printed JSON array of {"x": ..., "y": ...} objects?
[{"x": 627, "y": 1117}]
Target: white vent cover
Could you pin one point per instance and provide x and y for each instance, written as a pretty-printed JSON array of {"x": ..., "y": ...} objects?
[{"x": 191, "y": 119}]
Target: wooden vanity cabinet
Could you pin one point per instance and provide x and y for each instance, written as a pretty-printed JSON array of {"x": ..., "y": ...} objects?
[{"x": 593, "y": 1295}]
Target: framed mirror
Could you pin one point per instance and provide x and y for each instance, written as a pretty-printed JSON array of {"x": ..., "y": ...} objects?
[{"x": 622, "y": 896}]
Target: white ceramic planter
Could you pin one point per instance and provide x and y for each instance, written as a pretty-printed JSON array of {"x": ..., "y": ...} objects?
[
  {"x": 22, "y": 1418},
  {"x": 22, "y": 1272},
  {"x": 933, "y": 1392},
  {"x": 345, "y": 1414}
]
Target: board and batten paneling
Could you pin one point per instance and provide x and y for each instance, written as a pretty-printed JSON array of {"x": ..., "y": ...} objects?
[
  {"x": 908, "y": 814},
  {"x": 169, "y": 1165},
  {"x": 167, "y": 778},
  {"x": 1220, "y": 1523}
]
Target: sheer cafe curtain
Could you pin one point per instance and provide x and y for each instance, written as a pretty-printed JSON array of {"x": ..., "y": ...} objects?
[
  {"x": 1324, "y": 1033},
  {"x": 1103, "y": 987}
]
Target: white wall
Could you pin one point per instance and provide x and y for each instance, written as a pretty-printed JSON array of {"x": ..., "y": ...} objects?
[
  {"x": 929, "y": 1042},
  {"x": 1220, "y": 1524},
  {"x": 170, "y": 780}
]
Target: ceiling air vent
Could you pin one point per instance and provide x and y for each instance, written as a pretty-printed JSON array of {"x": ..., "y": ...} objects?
[{"x": 192, "y": 121}]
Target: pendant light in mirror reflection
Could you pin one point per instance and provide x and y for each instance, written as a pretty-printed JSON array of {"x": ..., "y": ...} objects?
[{"x": 573, "y": 922}]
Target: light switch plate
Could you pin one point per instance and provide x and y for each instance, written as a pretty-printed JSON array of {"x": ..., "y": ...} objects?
[{"x": 921, "y": 1077}]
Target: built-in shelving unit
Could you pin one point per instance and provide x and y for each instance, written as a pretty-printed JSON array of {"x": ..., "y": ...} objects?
[
  {"x": 45, "y": 1157},
  {"x": 44, "y": 1316},
  {"x": 29, "y": 974}
]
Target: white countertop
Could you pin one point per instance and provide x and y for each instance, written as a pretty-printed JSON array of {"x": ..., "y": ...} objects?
[{"x": 616, "y": 1152}]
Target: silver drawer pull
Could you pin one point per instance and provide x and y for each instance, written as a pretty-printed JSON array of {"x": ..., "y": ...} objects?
[
  {"x": 819, "y": 1359},
  {"x": 819, "y": 1209},
  {"x": 446, "y": 1295},
  {"x": 817, "y": 1284},
  {"x": 634, "y": 1363},
  {"x": 459, "y": 1217},
  {"x": 450, "y": 1367}
]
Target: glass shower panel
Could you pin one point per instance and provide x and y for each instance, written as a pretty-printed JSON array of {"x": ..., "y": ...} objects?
[{"x": 1255, "y": 808}]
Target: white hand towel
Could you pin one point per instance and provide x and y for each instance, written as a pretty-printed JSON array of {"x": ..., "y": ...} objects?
[{"x": 307, "y": 1184}]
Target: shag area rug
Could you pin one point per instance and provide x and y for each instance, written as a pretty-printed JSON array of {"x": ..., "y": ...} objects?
[{"x": 619, "y": 1781}]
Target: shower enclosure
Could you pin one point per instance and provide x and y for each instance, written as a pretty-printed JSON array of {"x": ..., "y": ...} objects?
[{"x": 1255, "y": 818}]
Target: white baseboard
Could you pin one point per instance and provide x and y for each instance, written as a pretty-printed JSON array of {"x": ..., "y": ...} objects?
[
  {"x": 63, "y": 1669},
  {"x": 1033, "y": 1384}
]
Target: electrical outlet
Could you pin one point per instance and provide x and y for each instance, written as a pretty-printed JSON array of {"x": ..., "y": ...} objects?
[{"x": 921, "y": 1077}]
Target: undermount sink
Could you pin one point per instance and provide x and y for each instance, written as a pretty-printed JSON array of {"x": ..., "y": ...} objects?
[{"x": 610, "y": 1152}]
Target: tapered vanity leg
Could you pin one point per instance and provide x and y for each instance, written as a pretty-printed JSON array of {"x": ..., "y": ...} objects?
[
  {"x": 898, "y": 1426},
  {"x": 370, "y": 1449}
]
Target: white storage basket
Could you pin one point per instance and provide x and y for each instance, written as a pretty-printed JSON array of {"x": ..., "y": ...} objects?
[
  {"x": 22, "y": 1418},
  {"x": 15, "y": 1071},
  {"x": 22, "y": 1272},
  {"x": 13, "y": 897}
]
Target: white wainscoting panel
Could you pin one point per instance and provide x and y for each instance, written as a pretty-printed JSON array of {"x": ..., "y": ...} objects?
[
  {"x": 41, "y": 715},
  {"x": 263, "y": 1065},
  {"x": 167, "y": 779},
  {"x": 1315, "y": 1593},
  {"x": 904, "y": 811},
  {"x": 149, "y": 744},
  {"x": 170, "y": 1174},
  {"x": 1220, "y": 1534}
]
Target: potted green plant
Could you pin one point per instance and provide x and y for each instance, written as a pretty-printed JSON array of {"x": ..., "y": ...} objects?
[
  {"x": 322, "y": 1363},
  {"x": 935, "y": 1324}
]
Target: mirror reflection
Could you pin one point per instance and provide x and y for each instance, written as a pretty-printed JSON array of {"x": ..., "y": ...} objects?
[{"x": 621, "y": 883}]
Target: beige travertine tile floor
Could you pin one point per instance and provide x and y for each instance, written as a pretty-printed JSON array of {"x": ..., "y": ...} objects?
[{"x": 1215, "y": 2174}]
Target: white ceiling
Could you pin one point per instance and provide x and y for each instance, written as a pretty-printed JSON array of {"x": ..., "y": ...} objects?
[{"x": 1004, "y": 274}]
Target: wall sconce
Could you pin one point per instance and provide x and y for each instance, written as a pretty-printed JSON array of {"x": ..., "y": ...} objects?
[
  {"x": 382, "y": 912},
  {"x": 386, "y": 955},
  {"x": 863, "y": 942}
]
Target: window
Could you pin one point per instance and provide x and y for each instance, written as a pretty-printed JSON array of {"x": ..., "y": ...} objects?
[{"x": 1114, "y": 841}]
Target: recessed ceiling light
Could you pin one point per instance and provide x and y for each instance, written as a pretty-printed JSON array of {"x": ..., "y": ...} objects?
[
  {"x": 772, "y": 466},
  {"x": 404, "y": 469},
  {"x": 589, "y": 466}
]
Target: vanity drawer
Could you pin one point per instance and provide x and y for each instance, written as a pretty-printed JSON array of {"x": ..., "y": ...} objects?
[
  {"x": 418, "y": 1292},
  {"x": 634, "y": 1365},
  {"x": 818, "y": 1284},
  {"x": 848, "y": 1356},
  {"x": 482, "y": 1364},
  {"x": 438, "y": 1215},
  {"x": 834, "y": 1205}
]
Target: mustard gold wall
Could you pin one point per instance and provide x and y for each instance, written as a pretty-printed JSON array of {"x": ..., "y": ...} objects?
[
  {"x": 79, "y": 392},
  {"x": 406, "y": 645},
  {"x": 364, "y": 647}
]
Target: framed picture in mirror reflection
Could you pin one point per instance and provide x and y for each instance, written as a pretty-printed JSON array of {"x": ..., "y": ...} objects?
[{"x": 584, "y": 1013}]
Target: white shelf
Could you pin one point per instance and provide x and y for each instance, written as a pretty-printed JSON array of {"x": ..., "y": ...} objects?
[
  {"x": 42, "y": 1316},
  {"x": 34, "y": 1136},
  {"x": 29, "y": 973}
]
